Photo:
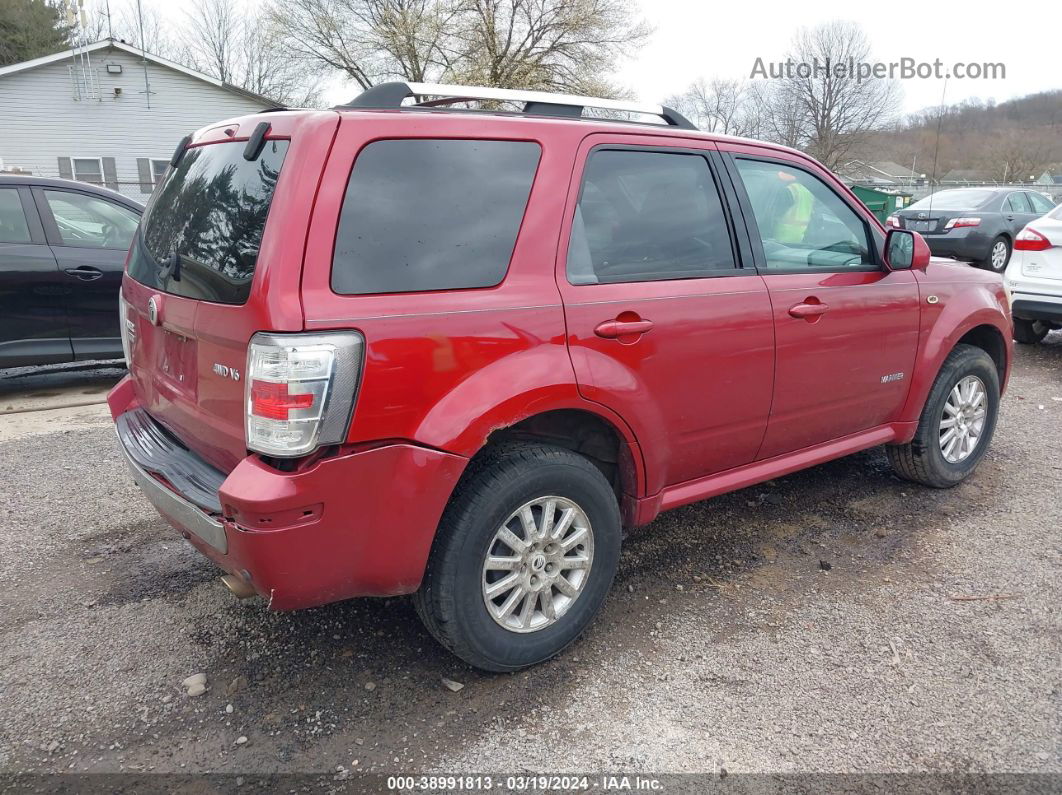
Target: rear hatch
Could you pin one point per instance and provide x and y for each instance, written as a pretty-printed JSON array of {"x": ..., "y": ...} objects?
[{"x": 218, "y": 257}]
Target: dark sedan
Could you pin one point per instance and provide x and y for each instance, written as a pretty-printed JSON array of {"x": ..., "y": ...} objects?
[
  {"x": 974, "y": 224},
  {"x": 62, "y": 250}
]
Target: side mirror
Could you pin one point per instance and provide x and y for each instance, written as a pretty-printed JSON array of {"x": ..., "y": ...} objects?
[{"x": 905, "y": 250}]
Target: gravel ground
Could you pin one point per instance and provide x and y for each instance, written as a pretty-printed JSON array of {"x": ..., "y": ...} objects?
[{"x": 822, "y": 622}]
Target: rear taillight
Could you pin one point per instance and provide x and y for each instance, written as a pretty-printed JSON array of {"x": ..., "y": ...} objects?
[
  {"x": 127, "y": 328},
  {"x": 1031, "y": 240},
  {"x": 300, "y": 390},
  {"x": 893, "y": 222},
  {"x": 959, "y": 223}
]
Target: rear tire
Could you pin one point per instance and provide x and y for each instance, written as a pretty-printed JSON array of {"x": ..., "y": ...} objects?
[
  {"x": 932, "y": 458},
  {"x": 1029, "y": 332},
  {"x": 998, "y": 255},
  {"x": 502, "y": 632}
]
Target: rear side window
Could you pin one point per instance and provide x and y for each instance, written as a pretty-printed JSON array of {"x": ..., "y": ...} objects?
[
  {"x": 13, "y": 226},
  {"x": 427, "y": 214},
  {"x": 1040, "y": 204},
  {"x": 203, "y": 227},
  {"x": 647, "y": 216}
]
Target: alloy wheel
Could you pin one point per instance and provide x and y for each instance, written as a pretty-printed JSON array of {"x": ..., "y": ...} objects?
[
  {"x": 537, "y": 564},
  {"x": 963, "y": 420}
]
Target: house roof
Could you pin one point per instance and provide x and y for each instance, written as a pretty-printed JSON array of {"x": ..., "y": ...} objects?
[
  {"x": 893, "y": 169},
  {"x": 883, "y": 171},
  {"x": 966, "y": 175},
  {"x": 115, "y": 44}
]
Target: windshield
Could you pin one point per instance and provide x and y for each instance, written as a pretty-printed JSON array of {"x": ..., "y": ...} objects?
[
  {"x": 953, "y": 200},
  {"x": 204, "y": 224}
]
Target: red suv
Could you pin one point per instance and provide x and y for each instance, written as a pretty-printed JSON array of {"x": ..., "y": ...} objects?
[{"x": 407, "y": 349}]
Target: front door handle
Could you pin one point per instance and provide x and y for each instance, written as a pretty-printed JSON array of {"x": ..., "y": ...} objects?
[
  {"x": 85, "y": 273},
  {"x": 611, "y": 329},
  {"x": 808, "y": 310}
]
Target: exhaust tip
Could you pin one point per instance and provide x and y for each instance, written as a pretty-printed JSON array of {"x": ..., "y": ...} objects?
[{"x": 238, "y": 586}]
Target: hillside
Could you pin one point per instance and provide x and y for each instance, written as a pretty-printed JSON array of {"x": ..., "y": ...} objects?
[{"x": 1012, "y": 139}]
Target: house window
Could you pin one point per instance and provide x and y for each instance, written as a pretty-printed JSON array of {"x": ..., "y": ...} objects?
[
  {"x": 158, "y": 169},
  {"x": 88, "y": 169}
]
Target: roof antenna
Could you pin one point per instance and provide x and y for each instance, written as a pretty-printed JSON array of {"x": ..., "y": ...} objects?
[
  {"x": 936, "y": 146},
  {"x": 110, "y": 30}
]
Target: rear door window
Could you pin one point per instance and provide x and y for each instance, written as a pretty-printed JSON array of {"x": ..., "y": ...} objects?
[
  {"x": 647, "y": 216},
  {"x": 203, "y": 227},
  {"x": 1017, "y": 203},
  {"x": 428, "y": 214}
]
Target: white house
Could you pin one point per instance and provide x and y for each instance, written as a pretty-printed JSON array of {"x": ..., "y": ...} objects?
[{"x": 107, "y": 114}]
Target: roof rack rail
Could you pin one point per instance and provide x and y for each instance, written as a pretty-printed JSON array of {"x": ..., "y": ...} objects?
[{"x": 391, "y": 95}]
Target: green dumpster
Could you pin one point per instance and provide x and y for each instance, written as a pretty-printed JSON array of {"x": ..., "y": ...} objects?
[{"x": 880, "y": 203}]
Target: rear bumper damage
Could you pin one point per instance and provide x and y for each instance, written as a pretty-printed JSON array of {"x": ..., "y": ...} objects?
[{"x": 356, "y": 524}]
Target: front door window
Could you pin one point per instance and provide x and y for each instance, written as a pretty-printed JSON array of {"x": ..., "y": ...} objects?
[{"x": 803, "y": 224}]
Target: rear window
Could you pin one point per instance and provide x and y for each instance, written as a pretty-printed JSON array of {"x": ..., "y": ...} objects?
[
  {"x": 427, "y": 214},
  {"x": 953, "y": 200},
  {"x": 203, "y": 227}
]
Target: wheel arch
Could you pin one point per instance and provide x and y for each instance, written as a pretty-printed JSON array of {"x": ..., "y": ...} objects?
[
  {"x": 992, "y": 341},
  {"x": 582, "y": 427},
  {"x": 983, "y": 328},
  {"x": 584, "y": 431}
]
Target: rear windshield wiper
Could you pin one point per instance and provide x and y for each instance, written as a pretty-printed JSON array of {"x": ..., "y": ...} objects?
[{"x": 170, "y": 267}]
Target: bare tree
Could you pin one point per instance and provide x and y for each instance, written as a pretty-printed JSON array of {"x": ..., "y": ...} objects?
[
  {"x": 730, "y": 107},
  {"x": 368, "y": 40},
  {"x": 780, "y": 114},
  {"x": 835, "y": 107},
  {"x": 213, "y": 35},
  {"x": 552, "y": 45},
  {"x": 1016, "y": 154},
  {"x": 543, "y": 44},
  {"x": 123, "y": 21},
  {"x": 241, "y": 48}
]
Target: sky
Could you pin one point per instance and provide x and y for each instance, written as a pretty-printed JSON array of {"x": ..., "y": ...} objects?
[
  {"x": 724, "y": 39},
  {"x": 694, "y": 39}
]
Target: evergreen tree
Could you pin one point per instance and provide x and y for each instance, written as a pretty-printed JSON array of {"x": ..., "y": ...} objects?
[{"x": 30, "y": 29}]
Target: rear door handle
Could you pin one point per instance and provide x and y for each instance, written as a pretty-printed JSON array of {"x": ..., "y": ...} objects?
[
  {"x": 808, "y": 310},
  {"x": 85, "y": 273},
  {"x": 611, "y": 329}
]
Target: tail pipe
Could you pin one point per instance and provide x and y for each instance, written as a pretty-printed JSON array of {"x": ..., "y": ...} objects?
[{"x": 238, "y": 586}]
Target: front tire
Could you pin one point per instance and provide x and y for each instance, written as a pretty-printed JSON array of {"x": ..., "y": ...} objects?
[
  {"x": 998, "y": 255},
  {"x": 1029, "y": 332},
  {"x": 957, "y": 422},
  {"x": 523, "y": 559}
]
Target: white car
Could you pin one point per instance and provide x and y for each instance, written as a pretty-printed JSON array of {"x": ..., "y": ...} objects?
[{"x": 1034, "y": 278}]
